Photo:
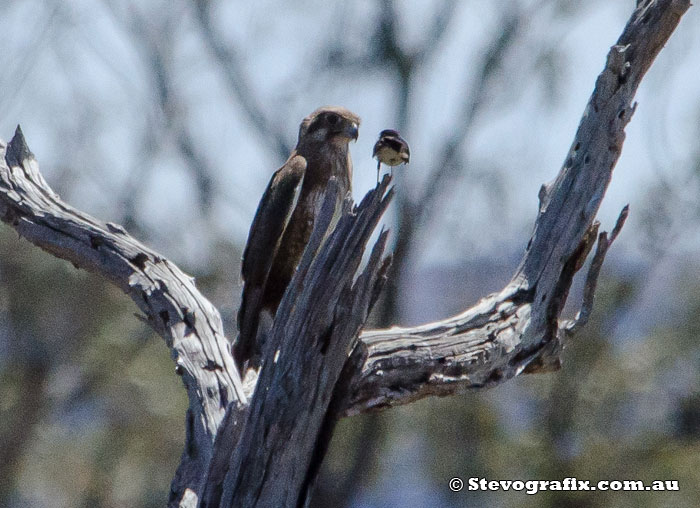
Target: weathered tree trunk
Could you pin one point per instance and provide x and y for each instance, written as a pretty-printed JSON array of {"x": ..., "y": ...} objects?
[{"x": 263, "y": 448}]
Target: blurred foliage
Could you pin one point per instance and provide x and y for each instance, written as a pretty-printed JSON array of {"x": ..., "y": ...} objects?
[
  {"x": 92, "y": 411},
  {"x": 615, "y": 411},
  {"x": 160, "y": 114},
  {"x": 90, "y": 406}
]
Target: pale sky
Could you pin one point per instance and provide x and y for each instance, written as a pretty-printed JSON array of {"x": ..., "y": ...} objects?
[{"x": 71, "y": 71}]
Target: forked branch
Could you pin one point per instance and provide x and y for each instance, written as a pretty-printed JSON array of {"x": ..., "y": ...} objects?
[{"x": 276, "y": 436}]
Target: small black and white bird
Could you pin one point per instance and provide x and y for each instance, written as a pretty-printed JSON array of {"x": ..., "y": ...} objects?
[{"x": 391, "y": 149}]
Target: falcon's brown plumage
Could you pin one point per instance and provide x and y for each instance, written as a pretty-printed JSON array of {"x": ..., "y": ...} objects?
[
  {"x": 391, "y": 149},
  {"x": 286, "y": 215}
]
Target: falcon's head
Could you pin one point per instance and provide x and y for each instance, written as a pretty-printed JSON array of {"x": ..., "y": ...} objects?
[{"x": 329, "y": 124}]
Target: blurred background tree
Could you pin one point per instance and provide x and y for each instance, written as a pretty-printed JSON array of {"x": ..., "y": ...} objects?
[{"x": 170, "y": 116}]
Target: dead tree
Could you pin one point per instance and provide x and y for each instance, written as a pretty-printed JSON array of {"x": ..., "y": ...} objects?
[{"x": 261, "y": 445}]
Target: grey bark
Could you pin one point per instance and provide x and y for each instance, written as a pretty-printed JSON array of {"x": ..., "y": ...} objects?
[
  {"x": 518, "y": 329},
  {"x": 264, "y": 449}
]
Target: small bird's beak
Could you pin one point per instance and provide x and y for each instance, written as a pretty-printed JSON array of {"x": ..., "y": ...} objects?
[{"x": 352, "y": 131}]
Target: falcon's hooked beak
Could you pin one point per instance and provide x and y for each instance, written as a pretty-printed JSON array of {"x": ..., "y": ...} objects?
[{"x": 352, "y": 130}]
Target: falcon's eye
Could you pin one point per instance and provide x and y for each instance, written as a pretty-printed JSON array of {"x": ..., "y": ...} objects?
[{"x": 333, "y": 119}]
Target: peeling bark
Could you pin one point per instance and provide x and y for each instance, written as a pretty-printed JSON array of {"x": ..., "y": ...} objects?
[{"x": 263, "y": 449}]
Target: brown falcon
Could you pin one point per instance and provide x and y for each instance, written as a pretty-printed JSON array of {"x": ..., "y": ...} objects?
[
  {"x": 285, "y": 218},
  {"x": 391, "y": 149}
]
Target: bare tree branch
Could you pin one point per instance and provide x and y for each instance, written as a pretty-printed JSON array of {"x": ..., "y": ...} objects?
[
  {"x": 440, "y": 26},
  {"x": 274, "y": 441},
  {"x": 153, "y": 48},
  {"x": 413, "y": 212},
  {"x": 447, "y": 165},
  {"x": 239, "y": 87},
  {"x": 191, "y": 325},
  {"x": 518, "y": 328},
  {"x": 188, "y": 322},
  {"x": 315, "y": 327},
  {"x": 604, "y": 244}
]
